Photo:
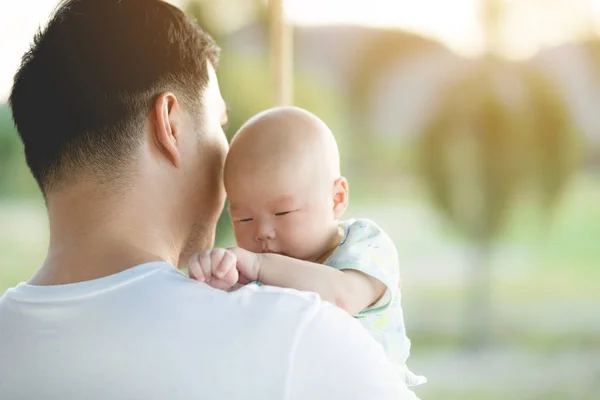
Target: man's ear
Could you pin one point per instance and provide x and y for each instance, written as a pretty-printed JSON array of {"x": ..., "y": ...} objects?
[
  {"x": 340, "y": 196},
  {"x": 167, "y": 117}
]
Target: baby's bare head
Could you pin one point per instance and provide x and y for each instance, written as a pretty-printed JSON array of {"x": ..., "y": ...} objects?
[
  {"x": 282, "y": 178},
  {"x": 284, "y": 140}
]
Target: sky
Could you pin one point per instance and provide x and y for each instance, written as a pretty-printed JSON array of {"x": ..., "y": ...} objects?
[{"x": 533, "y": 24}]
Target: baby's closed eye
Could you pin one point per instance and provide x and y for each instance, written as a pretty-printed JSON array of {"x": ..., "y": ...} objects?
[{"x": 282, "y": 213}]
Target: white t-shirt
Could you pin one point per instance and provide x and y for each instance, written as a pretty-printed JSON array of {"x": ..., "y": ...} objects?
[{"x": 151, "y": 333}]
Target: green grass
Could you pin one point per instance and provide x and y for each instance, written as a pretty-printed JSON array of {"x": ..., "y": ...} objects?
[
  {"x": 23, "y": 240},
  {"x": 570, "y": 237},
  {"x": 505, "y": 394}
]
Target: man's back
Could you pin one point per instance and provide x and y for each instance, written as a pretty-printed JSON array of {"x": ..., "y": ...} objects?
[{"x": 150, "y": 333}]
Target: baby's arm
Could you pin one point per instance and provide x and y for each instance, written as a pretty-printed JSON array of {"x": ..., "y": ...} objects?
[{"x": 349, "y": 289}]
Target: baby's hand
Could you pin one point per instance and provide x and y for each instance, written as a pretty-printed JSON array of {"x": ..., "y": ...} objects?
[
  {"x": 248, "y": 264},
  {"x": 217, "y": 267}
]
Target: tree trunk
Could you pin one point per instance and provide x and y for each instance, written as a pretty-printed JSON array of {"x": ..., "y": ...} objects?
[{"x": 478, "y": 307}]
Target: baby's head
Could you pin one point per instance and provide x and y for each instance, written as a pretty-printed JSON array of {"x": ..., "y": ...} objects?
[{"x": 282, "y": 178}]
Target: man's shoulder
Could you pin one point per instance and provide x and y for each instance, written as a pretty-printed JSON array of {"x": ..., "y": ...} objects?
[
  {"x": 251, "y": 293},
  {"x": 259, "y": 302},
  {"x": 276, "y": 300}
]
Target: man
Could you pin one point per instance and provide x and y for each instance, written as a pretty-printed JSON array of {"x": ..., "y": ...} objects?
[{"x": 119, "y": 110}]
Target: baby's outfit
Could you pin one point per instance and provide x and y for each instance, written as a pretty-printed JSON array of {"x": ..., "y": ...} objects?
[{"x": 366, "y": 248}]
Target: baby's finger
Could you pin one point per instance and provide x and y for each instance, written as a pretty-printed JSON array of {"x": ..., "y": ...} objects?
[
  {"x": 204, "y": 261},
  {"x": 194, "y": 269},
  {"x": 231, "y": 277},
  {"x": 216, "y": 255},
  {"x": 220, "y": 284},
  {"x": 226, "y": 264}
]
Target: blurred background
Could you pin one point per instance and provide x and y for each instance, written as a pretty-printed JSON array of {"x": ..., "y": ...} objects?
[{"x": 469, "y": 130}]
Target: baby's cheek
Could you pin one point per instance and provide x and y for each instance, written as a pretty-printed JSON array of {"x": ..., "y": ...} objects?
[
  {"x": 243, "y": 238},
  {"x": 298, "y": 230},
  {"x": 307, "y": 238}
]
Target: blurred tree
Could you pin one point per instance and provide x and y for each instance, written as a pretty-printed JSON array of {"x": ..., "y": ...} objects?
[
  {"x": 591, "y": 48},
  {"x": 15, "y": 179},
  {"x": 497, "y": 132},
  {"x": 221, "y": 17},
  {"x": 385, "y": 50},
  {"x": 9, "y": 147}
]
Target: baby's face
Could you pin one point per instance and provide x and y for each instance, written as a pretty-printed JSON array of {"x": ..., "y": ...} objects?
[{"x": 281, "y": 213}]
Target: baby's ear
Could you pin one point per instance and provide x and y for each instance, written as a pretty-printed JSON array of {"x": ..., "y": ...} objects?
[{"x": 340, "y": 196}]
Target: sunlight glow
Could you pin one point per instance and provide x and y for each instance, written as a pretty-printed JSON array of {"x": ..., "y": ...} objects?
[
  {"x": 529, "y": 24},
  {"x": 454, "y": 22}
]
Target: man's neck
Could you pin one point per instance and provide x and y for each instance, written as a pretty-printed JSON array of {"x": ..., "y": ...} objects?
[{"x": 91, "y": 239}]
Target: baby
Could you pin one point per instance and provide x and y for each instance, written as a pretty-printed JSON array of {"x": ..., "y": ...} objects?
[{"x": 286, "y": 198}]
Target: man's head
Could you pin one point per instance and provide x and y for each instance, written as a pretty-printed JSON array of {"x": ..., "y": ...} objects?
[
  {"x": 120, "y": 95},
  {"x": 282, "y": 178}
]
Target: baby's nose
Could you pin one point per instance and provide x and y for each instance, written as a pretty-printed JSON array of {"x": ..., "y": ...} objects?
[{"x": 265, "y": 232}]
